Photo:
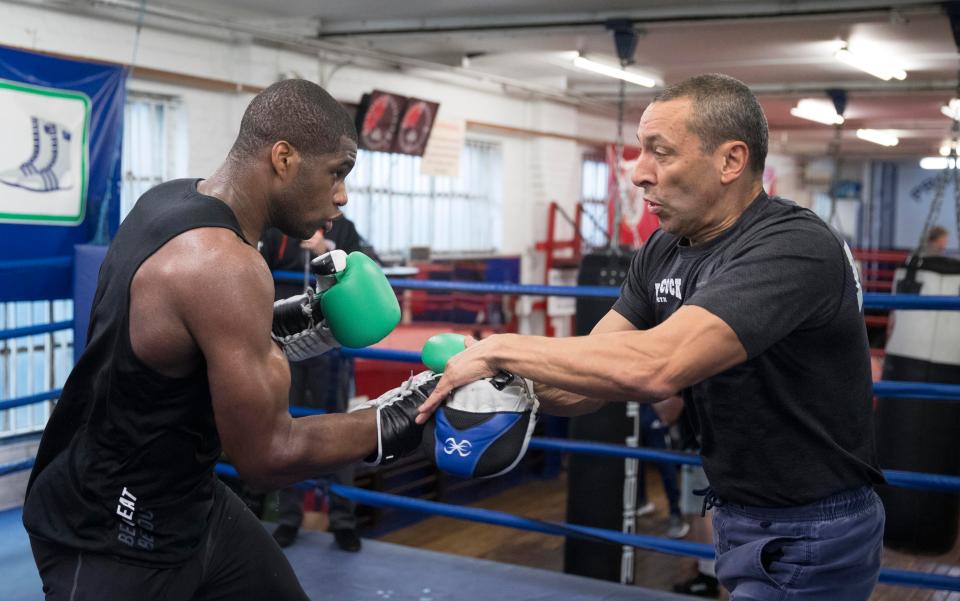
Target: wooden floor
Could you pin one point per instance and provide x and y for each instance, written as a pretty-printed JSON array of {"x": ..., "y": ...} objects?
[
  {"x": 543, "y": 500},
  {"x": 546, "y": 500}
]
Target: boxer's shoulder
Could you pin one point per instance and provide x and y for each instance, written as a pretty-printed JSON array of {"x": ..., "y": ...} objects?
[{"x": 202, "y": 255}]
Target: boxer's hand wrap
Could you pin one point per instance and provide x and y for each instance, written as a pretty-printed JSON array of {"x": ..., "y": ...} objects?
[
  {"x": 398, "y": 433},
  {"x": 299, "y": 329}
]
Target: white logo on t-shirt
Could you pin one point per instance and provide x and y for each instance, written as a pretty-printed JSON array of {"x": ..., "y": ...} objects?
[
  {"x": 667, "y": 286},
  {"x": 856, "y": 275}
]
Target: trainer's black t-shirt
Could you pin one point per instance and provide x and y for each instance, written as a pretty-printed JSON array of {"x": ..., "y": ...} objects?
[
  {"x": 794, "y": 423},
  {"x": 125, "y": 466}
]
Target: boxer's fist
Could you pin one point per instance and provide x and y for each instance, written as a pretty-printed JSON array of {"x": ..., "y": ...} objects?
[
  {"x": 352, "y": 305},
  {"x": 360, "y": 308},
  {"x": 398, "y": 433}
]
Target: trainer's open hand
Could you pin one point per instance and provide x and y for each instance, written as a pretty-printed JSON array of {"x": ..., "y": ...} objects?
[{"x": 474, "y": 363}]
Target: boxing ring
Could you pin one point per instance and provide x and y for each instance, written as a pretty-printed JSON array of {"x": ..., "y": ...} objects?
[
  {"x": 329, "y": 574},
  {"x": 381, "y": 572}
]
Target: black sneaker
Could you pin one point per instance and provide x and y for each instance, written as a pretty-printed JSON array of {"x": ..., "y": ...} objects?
[
  {"x": 347, "y": 539},
  {"x": 285, "y": 535},
  {"x": 700, "y": 585}
]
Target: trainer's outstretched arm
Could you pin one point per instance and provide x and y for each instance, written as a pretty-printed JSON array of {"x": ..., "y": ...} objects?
[{"x": 642, "y": 365}]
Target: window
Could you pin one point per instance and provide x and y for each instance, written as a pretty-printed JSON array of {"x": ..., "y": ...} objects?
[
  {"x": 32, "y": 364},
  {"x": 154, "y": 145},
  {"x": 595, "y": 176},
  {"x": 842, "y": 214},
  {"x": 395, "y": 208}
]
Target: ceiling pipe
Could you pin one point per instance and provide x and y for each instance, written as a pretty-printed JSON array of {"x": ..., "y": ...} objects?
[
  {"x": 809, "y": 9},
  {"x": 862, "y": 88}
]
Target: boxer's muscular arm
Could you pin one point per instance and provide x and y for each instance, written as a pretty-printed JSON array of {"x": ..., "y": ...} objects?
[
  {"x": 226, "y": 303},
  {"x": 555, "y": 401}
]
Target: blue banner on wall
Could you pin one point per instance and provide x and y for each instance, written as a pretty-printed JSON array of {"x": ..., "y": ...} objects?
[{"x": 62, "y": 124}]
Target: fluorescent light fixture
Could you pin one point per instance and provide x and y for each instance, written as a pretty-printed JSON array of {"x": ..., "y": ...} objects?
[
  {"x": 937, "y": 163},
  {"x": 821, "y": 111},
  {"x": 952, "y": 109},
  {"x": 633, "y": 77},
  {"x": 878, "y": 66},
  {"x": 878, "y": 136}
]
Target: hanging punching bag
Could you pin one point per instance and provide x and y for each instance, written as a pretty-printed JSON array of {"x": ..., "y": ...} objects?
[
  {"x": 920, "y": 435},
  {"x": 595, "y": 484}
]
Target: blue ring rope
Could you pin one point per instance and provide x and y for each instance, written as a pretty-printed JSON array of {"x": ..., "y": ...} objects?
[
  {"x": 520, "y": 289},
  {"x": 877, "y": 300},
  {"x": 44, "y": 328},
  {"x": 49, "y": 395},
  {"x": 885, "y": 388},
  {"x": 700, "y": 550},
  {"x": 899, "y": 478},
  {"x": 18, "y": 466},
  {"x": 296, "y": 411},
  {"x": 871, "y": 300},
  {"x": 18, "y": 264},
  {"x": 382, "y": 354},
  {"x": 917, "y": 390},
  {"x": 499, "y": 518}
]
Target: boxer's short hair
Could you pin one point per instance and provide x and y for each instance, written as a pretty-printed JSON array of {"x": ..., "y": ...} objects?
[{"x": 297, "y": 111}]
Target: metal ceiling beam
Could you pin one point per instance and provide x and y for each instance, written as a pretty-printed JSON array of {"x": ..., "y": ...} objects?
[
  {"x": 674, "y": 13},
  {"x": 861, "y": 88}
]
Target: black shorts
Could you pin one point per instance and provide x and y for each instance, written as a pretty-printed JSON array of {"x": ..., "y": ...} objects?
[{"x": 238, "y": 560}]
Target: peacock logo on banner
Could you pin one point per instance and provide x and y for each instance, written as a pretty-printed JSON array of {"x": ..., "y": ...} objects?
[{"x": 44, "y": 157}]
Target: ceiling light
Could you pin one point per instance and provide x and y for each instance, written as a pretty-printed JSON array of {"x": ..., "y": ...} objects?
[
  {"x": 952, "y": 109},
  {"x": 878, "y": 66},
  {"x": 620, "y": 73},
  {"x": 937, "y": 163},
  {"x": 878, "y": 136},
  {"x": 820, "y": 111}
]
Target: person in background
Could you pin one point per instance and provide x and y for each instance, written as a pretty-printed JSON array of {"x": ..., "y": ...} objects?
[
  {"x": 655, "y": 422},
  {"x": 936, "y": 242},
  {"x": 324, "y": 382}
]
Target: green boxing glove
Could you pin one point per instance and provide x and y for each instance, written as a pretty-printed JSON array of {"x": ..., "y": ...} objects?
[
  {"x": 360, "y": 308},
  {"x": 439, "y": 348},
  {"x": 353, "y": 305}
]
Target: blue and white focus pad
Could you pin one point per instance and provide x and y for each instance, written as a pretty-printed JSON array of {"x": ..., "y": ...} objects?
[{"x": 483, "y": 428}]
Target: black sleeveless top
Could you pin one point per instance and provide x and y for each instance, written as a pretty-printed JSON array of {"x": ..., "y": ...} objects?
[{"x": 125, "y": 466}]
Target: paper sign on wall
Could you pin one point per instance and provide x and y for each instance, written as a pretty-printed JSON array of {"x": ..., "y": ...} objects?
[{"x": 442, "y": 155}]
